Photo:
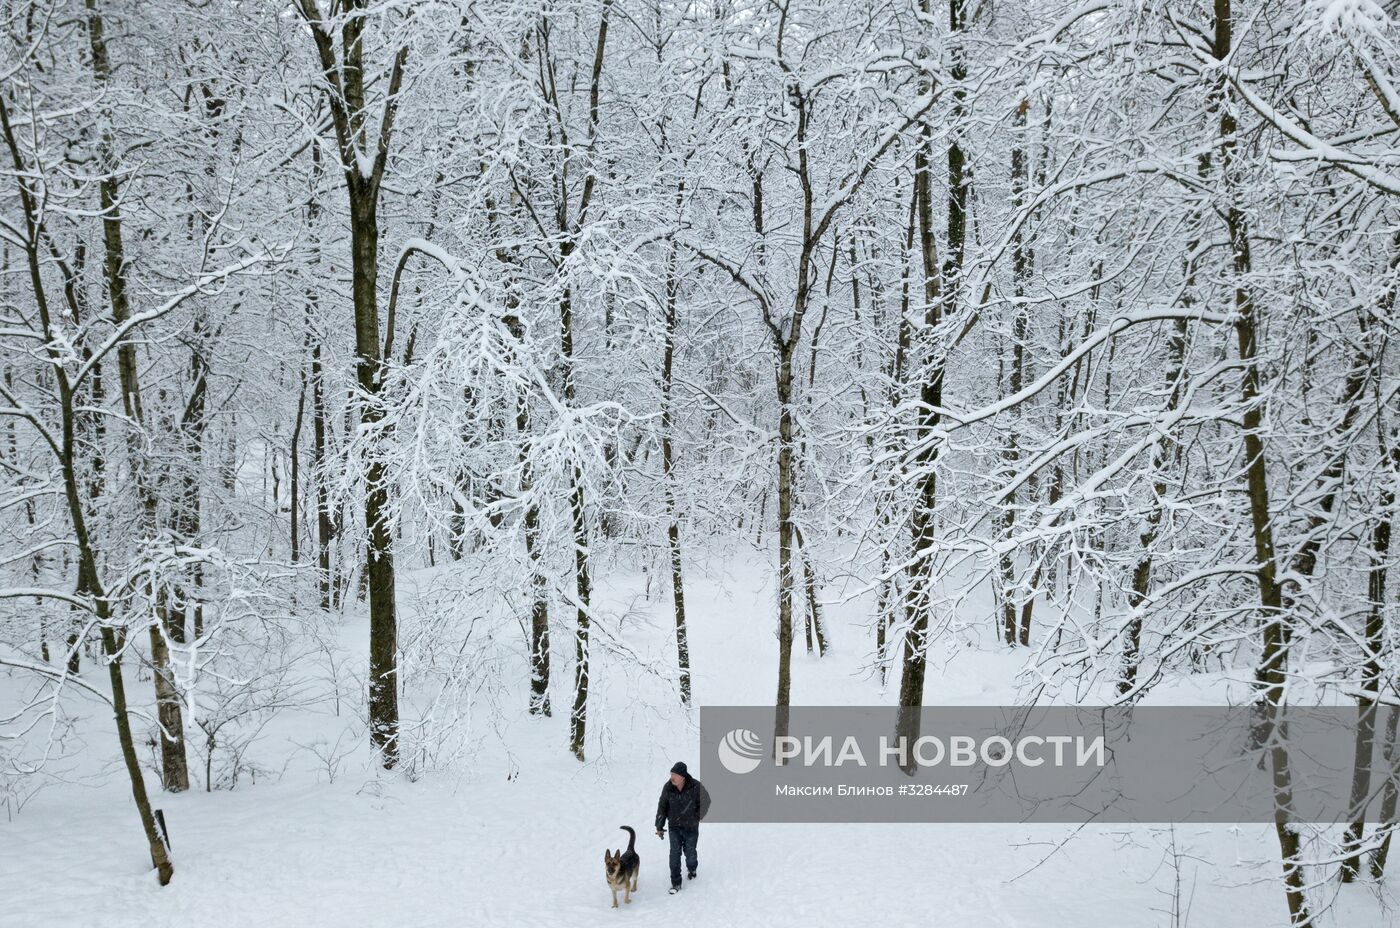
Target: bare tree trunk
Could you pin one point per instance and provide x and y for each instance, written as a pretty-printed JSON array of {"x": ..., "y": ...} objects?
[
  {"x": 940, "y": 295},
  {"x": 583, "y": 589},
  {"x": 1273, "y": 668},
  {"x": 344, "y": 79},
  {"x": 379, "y": 567},
  {"x": 809, "y": 584},
  {"x": 891, "y": 591},
  {"x": 673, "y": 525},
  {"x": 1020, "y": 271},
  {"x": 1372, "y": 671},
  {"x": 785, "y": 346},
  {"x": 160, "y": 853},
  {"x": 91, "y": 424},
  {"x": 539, "y": 616},
  {"x": 175, "y": 775},
  {"x": 1390, "y": 796},
  {"x": 583, "y": 580},
  {"x": 1147, "y": 537},
  {"x": 325, "y": 528},
  {"x": 1023, "y": 633},
  {"x": 89, "y": 584},
  {"x": 175, "y": 770},
  {"x": 539, "y": 597},
  {"x": 296, "y": 472},
  {"x": 36, "y": 562},
  {"x": 1371, "y": 675},
  {"x": 185, "y": 507},
  {"x": 1272, "y": 672},
  {"x": 785, "y": 534}
]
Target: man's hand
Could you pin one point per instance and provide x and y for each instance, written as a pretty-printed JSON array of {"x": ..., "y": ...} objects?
[{"x": 660, "y": 832}]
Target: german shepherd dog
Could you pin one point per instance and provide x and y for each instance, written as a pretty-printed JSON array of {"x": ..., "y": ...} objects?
[{"x": 621, "y": 868}]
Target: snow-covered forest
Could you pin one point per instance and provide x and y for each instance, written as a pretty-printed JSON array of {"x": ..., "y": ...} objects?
[{"x": 412, "y": 410}]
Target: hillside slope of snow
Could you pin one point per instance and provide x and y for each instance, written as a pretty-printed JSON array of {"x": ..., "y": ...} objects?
[{"x": 516, "y": 838}]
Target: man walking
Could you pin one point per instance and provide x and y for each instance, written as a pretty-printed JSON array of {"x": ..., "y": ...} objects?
[{"x": 683, "y": 804}]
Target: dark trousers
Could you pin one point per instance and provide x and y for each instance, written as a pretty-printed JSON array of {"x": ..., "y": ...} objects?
[{"x": 682, "y": 839}]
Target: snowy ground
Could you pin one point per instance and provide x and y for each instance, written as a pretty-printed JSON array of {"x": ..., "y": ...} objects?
[{"x": 481, "y": 847}]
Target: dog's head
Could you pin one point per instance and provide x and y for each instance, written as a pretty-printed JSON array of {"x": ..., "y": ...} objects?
[{"x": 612, "y": 863}]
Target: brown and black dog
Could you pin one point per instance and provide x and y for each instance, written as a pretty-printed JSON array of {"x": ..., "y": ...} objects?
[{"x": 621, "y": 868}]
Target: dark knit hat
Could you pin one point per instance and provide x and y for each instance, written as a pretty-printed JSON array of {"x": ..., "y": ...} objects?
[{"x": 679, "y": 767}]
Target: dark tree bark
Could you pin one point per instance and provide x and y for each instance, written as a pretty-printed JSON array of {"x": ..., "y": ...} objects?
[
  {"x": 67, "y": 452},
  {"x": 185, "y": 510},
  {"x": 940, "y": 297},
  {"x": 539, "y": 591},
  {"x": 891, "y": 590},
  {"x": 583, "y": 579},
  {"x": 785, "y": 345},
  {"x": 1020, "y": 271},
  {"x": 785, "y": 335},
  {"x": 325, "y": 526},
  {"x": 344, "y": 82},
  {"x": 1147, "y": 537},
  {"x": 1272, "y": 672},
  {"x": 295, "y": 467},
  {"x": 1372, "y": 671},
  {"x": 673, "y": 525},
  {"x": 815, "y": 632},
  {"x": 1390, "y": 795},
  {"x": 578, "y": 512},
  {"x": 174, "y": 766},
  {"x": 786, "y": 580}
]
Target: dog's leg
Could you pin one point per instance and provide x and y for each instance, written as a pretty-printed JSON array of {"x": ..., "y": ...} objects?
[
  {"x": 627, "y": 892},
  {"x": 635, "y": 874},
  {"x": 614, "y": 892}
]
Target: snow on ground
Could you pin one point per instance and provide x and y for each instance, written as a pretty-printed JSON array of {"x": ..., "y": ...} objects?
[{"x": 516, "y": 838}]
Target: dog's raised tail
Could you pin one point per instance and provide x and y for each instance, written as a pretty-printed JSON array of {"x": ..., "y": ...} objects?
[{"x": 631, "y": 838}]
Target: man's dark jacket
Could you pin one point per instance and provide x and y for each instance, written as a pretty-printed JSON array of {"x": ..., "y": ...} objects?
[{"x": 684, "y": 807}]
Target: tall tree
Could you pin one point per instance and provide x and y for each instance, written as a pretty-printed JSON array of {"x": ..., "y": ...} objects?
[{"x": 363, "y": 148}]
